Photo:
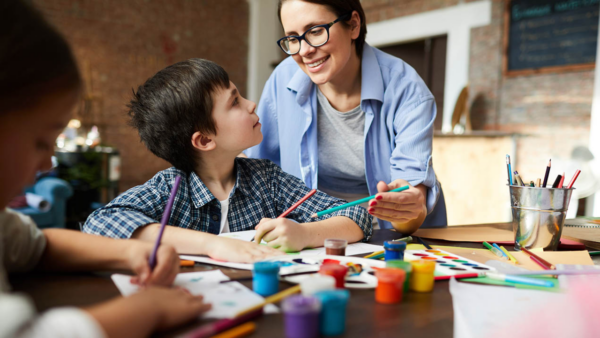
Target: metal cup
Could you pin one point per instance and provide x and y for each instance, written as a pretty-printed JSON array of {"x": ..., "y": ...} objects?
[{"x": 538, "y": 215}]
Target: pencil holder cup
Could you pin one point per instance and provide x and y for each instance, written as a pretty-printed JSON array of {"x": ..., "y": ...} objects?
[{"x": 538, "y": 215}]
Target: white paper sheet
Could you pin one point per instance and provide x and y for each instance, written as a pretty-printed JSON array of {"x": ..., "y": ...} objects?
[{"x": 227, "y": 299}]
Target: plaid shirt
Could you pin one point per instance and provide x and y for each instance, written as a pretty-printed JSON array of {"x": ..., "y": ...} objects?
[{"x": 262, "y": 190}]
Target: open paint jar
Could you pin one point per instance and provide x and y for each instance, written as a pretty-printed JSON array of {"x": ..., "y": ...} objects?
[
  {"x": 336, "y": 247},
  {"x": 336, "y": 271},
  {"x": 301, "y": 316},
  {"x": 390, "y": 283},
  {"x": 394, "y": 250}
]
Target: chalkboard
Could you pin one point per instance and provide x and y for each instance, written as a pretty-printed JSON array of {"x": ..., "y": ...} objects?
[{"x": 550, "y": 36}]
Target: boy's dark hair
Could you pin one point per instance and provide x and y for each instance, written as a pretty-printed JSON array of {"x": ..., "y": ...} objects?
[
  {"x": 35, "y": 60},
  {"x": 174, "y": 104},
  {"x": 342, "y": 7}
]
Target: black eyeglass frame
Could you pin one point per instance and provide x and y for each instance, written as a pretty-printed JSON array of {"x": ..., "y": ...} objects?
[{"x": 346, "y": 16}]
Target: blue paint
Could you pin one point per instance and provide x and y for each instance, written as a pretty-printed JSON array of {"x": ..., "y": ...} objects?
[
  {"x": 265, "y": 279},
  {"x": 333, "y": 311},
  {"x": 394, "y": 250}
]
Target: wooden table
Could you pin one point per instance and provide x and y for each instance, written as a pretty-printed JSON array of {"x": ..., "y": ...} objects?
[{"x": 419, "y": 314}]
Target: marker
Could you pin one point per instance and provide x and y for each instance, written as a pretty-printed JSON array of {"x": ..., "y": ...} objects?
[
  {"x": 498, "y": 248},
  {"x": 518, "y": 179},
  {"x": 511, "y": 257},
  {"x": 494, "y": 250},
  {"x": 557, "y": 181},
  {"x": 562, "y": 180},
  {"x": 163, "y": 222},
  {"x": 547, "y": 173},
  {"x": 520, "y": 280},
  {"x": 351, "y": 204}
]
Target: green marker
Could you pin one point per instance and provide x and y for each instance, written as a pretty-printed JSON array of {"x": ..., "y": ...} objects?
[
  {"x": 594, "y": 253},
  {"x": 494, "y": 250},
  {"x": 351, "y": 204}
]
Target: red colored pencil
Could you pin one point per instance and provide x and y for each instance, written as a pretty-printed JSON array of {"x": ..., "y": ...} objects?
[
  {"x": 573, "y": 179},
  {"x": 562, "y": 180},
  {"x": 544, "y": 263},
  {"x": 463, "y": 275},
  {"x": 297, "y": 204}
]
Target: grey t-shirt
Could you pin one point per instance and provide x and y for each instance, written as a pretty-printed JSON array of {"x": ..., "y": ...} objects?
[{"x": 340, "y": 137}]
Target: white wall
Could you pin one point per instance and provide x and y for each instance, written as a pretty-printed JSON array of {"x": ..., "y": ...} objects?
[
  {"x": 593, "y": 208},
  {"x": 456, "y": 22}
]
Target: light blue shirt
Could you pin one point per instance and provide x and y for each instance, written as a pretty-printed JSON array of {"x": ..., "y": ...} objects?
[{"x": 400, "y": 111}]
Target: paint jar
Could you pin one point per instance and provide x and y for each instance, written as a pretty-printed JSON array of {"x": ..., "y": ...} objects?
[
  {"x": 265, "y": 279},
  {"x": 336, "y": 271},
  {"x": 404, "y": 265},
  {"x": 389, "y": 285},
  {"x": 333, "y": 311},
  {"x": 394, "y": 250},
  {"x": 336, "y": 247},
  {"x": 301, "y": 316},
  {"x": 422, "y": 275},
  {"x": 330, "y": 261},
  {"x": 314, "y": 284}
]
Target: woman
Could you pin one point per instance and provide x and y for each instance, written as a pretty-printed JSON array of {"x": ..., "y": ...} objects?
[{"x": 348, "y": 118}]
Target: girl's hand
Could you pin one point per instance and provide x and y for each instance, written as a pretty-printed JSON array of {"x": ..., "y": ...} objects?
[
  {"x": 165, "y": 271},
  {"x": 404, "y": 209},
  {"x": 174, "y": 306},
  {"x": 234, "y": 250},
  {"x": 283, "y": 234}
]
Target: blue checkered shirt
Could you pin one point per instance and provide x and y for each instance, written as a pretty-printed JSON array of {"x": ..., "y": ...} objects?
[{"x": 262, "y": 190}]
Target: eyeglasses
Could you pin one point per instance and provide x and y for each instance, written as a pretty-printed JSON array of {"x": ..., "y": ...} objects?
[{"x": 316, "y": 36}]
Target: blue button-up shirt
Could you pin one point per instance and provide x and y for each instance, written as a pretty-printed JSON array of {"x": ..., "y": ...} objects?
[
  {"x": 262, "y": 190},
  {"x": 399, "y": 115}
]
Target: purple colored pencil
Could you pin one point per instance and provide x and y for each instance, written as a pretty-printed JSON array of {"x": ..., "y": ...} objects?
[
  {"x": 163, "y": 222},
  {"x": 211, "y": 329}
]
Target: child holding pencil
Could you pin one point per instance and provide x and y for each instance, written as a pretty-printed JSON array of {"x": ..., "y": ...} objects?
[
  {"x": 192, "y": 116},
  {"x": 39, "y": 86}
]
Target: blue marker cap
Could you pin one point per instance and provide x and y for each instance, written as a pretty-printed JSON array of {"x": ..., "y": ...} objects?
[
  {"x": 266, "y": 267},
  {"x": 394, "y": 245}
]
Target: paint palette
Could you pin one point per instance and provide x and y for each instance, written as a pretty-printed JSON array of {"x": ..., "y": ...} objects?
[
  {"x": 305, "y": 263},
  {"x": 446, "y": 263}
]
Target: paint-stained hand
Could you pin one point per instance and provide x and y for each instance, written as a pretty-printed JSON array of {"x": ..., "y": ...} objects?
[
  {"x": 234, "y": 250},
  {"x": 165, "y": 271},
  {"x": 283, "y": 234},
  {"x": 400, "y": 208}
]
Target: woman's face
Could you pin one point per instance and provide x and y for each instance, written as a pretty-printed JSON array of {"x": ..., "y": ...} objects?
[{"x": 325, "y": 63}]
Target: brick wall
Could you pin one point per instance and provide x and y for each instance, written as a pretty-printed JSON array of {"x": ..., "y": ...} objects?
[
  {"x": 119, "y": 44},
  {"x": 551, "y": 111}
]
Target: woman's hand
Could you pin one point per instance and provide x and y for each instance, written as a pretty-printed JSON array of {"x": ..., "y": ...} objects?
[
  {"x": 234, "y": 250},
  {"x": 167, "y": 264},
  {"x": 283, "y": 234},
  {"x": 406, "y": 210}
]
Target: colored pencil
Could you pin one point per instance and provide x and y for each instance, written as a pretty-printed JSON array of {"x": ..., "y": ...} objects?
[
  {"x": 293, "y": 207},
  {"x": 511, "y": 257},
  {"x": 573, "y": 179},
  {"x": 424, "y": 243},
  {"x": 185, "y": 262},
  {"x": 272, "y": 299},
  {"x": 502, "y": 252},
  {"x": 239, "y": 331},
  {"x": 547, "y": 173},
  {"x": 540, "y": 260},
  {"x": 509, "y": 172},
  {"x": 211, "y": 329},
  {"x": 518, "y": 179},
  {"x": 351, "y": 204},
  {"x": 459, "y": 276},
  {"x": 556, "y": 181},
  {"x": 557, "y": 272},
  {"x": 374, "y": 254},
  {"x": 538, "y": 182},
  {"x": 562, "y": 180},
  {"x": 404, "y": 239},
  {"x": 164, "y": 221},
  {"x": 594, "y": 253},
  {"x": 286, "y": 275}
]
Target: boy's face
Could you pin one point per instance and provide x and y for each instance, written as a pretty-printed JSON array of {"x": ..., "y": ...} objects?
[
  {"x": 236, "y": 121},
  {"x": 27, "y": 140}
]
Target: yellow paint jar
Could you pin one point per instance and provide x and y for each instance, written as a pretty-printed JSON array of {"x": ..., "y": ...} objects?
[{"x": 421, "y": 279}]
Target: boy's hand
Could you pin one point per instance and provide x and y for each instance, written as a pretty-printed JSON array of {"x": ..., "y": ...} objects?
[
  {"x": 234, "y": 250},
  {"x": 175, "y": 306},
  {"x": 283, "y": 234},
  {"x": 165, "y": 271}
]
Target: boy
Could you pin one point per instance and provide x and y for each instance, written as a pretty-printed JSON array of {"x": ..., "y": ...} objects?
[
  {"x": 39, "y": 86},
  {"x": 192, "y": 116}
]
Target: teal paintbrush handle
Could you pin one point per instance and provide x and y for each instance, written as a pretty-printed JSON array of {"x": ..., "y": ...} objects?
[{"x": 360, "y": 201}]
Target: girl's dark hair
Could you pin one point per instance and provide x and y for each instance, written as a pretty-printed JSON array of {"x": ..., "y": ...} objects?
[
  {"x": 341, "y": 7},
  {"x": 34, "y": 59},
  {"x": 174, "y": 104}
]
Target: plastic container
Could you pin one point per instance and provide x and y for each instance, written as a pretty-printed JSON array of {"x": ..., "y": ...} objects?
[
  {"x": 314, "y": 284},
  {"x": 301, "y": 316},
  {"x": 390, "y": 283},
  {"x": 265, "y": 279},
  {"x": 404, "y": 265},
  {"x": 394, "y": 250},
  {"x": 421, "y": 279},
  {"x": 336, "y": 247},
  {"x": 336, "y": 271},
  {"x": 333, "y": 311}
]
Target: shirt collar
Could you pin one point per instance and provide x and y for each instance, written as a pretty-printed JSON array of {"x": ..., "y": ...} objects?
[
  {"x": 202, "y": 196},
  {"x": 371, "y": 86}
]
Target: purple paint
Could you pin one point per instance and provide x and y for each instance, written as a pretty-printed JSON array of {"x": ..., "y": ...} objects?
[{"x": 301, "y": 316}]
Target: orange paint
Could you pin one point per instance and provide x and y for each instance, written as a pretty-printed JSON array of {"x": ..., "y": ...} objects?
[{"x": 390, "y": 283}]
